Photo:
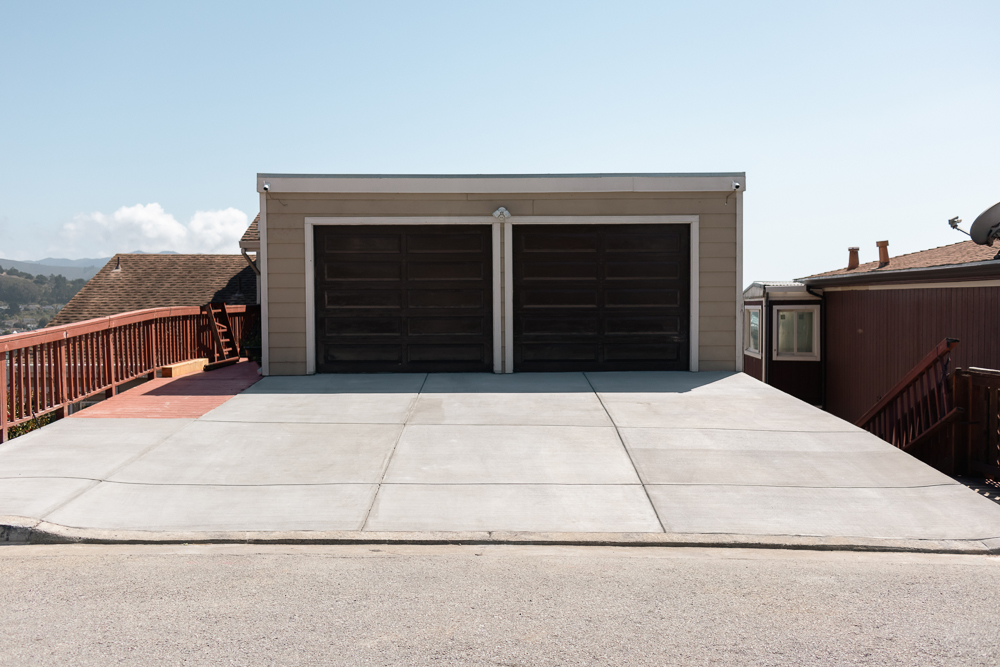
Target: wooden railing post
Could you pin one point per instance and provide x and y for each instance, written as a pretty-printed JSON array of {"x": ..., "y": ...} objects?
[
  {"x": 961, "y": 431},
  {"x": 151, "y": 329},
  {"x": 61, "y": 392},
  {"x": 109, "y": 363},
  {"x": 4, "y": 400}
]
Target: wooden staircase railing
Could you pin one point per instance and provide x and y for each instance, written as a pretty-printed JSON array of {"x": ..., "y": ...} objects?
[
  {"x": 227, "y": 349},
  {"x": 919, "y": 405}
]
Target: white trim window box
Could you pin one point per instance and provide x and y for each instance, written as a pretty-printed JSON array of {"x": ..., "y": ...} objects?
[{"x": 796, "y": 333}]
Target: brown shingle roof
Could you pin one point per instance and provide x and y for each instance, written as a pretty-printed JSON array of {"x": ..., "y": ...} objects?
[
  {"x": 155, "y": 281},
  {"x": 251, "y": 237},
  {"x": 965, "y": 252}
]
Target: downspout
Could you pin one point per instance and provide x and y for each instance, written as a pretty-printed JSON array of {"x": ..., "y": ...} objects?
[
  {"x": 765, "y": 342},
  {"x": 250, "y": 261},
  {"x": 253, "y": 266},
  {"x": 822, "y": 346}
]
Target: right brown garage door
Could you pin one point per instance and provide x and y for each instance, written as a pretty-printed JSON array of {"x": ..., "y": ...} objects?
[{"x": 601, "y": 297}]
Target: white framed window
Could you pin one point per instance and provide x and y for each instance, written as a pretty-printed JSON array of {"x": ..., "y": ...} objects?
[
  {"x": 752, "y": 331},
  {"x": 796, "y": 333}
]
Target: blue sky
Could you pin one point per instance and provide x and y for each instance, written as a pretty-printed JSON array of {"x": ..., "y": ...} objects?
[{"x": 132, "y": 125}]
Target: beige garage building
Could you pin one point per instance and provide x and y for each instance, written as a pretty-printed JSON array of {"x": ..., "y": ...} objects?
[{"x": 499, "y": 273}]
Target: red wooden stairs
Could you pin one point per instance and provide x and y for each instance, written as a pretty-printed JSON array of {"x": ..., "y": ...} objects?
[{"x": 226, "y": 350}]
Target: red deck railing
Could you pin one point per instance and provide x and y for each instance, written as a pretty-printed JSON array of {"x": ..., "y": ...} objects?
[
  {"x": 918, "y": 406},
  {"x": 48, "y": 369}
]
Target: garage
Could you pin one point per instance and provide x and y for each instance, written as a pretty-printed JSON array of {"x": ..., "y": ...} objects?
[
  {"x": 500, "y": 273},
  {"x": 403, "y": 298},
  {"x": 596, "y": 297}
]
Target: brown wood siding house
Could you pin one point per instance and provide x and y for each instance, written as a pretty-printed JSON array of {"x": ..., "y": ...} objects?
[
  {"x": 881, "y": 321},
  {"x": 876, "y": 321}
]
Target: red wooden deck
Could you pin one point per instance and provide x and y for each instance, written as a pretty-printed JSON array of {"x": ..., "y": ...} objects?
[{"x": 190, "y": 396}]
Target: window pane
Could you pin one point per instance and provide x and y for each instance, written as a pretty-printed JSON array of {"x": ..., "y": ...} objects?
[
  {"x": 786, "y": 333},
  {"x": 755, "y": 330},
  {"x": 804, "y": 331}
]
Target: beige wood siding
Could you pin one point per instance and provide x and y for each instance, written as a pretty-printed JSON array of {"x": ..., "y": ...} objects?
[{"x": 286, "y": 215}]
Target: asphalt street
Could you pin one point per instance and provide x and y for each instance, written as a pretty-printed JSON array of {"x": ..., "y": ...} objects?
[{"x": 498, "y": 605}]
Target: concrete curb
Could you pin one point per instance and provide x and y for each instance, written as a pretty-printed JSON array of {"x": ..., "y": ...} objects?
[{"x": 22, "y": 530}]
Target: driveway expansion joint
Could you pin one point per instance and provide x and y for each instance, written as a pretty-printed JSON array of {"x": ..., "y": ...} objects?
[
  {"x": 628, "y": 453},
  {"x": 395, "y": 444}
]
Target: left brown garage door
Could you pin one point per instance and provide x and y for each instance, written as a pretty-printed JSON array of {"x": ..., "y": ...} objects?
[{"x": 403, "y": 298}]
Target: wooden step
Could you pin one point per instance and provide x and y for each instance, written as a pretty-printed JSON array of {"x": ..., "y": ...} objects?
[
  {"x": 221, "y": 363},
  {"x": 184, "y": 368}
]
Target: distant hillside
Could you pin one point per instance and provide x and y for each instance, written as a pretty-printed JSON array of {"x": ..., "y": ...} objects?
[
  {"x": 97, "y": 262},
  {"x": 72, "y": 269},
  {"x": 70, "y": 272}
]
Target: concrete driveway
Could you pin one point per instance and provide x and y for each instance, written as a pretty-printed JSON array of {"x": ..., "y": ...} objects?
[{"x": 629, "y": 454}]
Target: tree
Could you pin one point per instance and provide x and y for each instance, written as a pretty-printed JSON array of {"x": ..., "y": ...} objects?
[{"x": 15, "y": 290}]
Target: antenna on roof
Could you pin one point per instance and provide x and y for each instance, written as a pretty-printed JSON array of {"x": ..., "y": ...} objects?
[{"x": 955, "y": 222}]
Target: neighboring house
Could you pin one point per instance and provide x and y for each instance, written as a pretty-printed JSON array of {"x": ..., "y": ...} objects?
[
  {"x": 873, "y": 322},
  {"x": 134, "y": 282},
  {"x": 501, "y": 273},
  {"x": 787, "y": 356}
]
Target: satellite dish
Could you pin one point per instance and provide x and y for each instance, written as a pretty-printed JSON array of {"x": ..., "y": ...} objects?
[{"x": 986, "y": 228}]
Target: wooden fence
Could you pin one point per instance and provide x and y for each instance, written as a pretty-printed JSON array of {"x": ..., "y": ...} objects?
[
  {"x": 48, "y": 369},
  {"x": 977, "y": 437}
]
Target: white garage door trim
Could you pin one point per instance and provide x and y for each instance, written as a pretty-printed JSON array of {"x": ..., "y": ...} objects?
[{"x": 503, "y": 307}]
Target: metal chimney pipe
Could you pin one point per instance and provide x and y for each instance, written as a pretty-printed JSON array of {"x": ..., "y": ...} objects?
[
  {"x": 883, "y": 253},
  {"x": 852, "y": 258}
]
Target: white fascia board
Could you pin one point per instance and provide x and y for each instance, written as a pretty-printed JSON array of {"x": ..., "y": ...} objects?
[
  {"x": 310, "y": 277},
  {"x": 774, "y": 289},
  {"x": 569, "y": 183},
  {"x": 739, "y": 280},
  {"x": 792, "y": 296}
]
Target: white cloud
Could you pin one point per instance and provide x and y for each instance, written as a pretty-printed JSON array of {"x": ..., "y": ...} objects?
[{"x": 149, "y": 228}]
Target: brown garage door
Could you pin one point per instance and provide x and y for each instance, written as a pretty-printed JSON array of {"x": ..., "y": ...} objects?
[
  {"x": 403, "y": 298},
  {"x": 601, "y": 297}
]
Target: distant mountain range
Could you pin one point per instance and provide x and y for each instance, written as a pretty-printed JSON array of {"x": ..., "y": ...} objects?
[{"x": 72, "y": 269}]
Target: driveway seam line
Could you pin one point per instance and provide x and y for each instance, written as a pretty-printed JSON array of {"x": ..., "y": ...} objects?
[
  {"x": 678, "y": 428},
  {"x": 98, "y": 482},
  {"x": 392, "y": 452},
  {"x": 618, "y": 433},
  {"x": 235, "y": 421}
]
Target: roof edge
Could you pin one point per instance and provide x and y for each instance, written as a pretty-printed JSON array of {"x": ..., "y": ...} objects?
[
  {"x": 500, "y": 183},
  {"x": 990, "y": 267},
  {"x": 566, "y": 175}
]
